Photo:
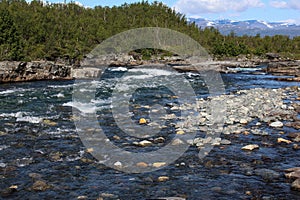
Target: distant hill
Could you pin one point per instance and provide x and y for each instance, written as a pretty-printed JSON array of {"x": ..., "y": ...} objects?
[{"x": 250, "y": 27}]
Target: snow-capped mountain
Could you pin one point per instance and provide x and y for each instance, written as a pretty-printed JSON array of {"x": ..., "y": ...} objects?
[{"x": 250, "y": 27}]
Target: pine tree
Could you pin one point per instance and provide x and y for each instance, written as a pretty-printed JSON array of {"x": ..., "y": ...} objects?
[{"x": 10, "y": 42}]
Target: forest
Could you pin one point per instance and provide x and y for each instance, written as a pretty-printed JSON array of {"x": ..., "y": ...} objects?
[{"x": 44, "y": 31}]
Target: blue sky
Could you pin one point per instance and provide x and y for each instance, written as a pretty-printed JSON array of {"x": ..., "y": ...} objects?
[{"x": 266, "y": 10}]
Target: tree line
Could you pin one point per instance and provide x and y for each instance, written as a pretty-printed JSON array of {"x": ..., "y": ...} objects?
[{"x": 37, "y": 30}]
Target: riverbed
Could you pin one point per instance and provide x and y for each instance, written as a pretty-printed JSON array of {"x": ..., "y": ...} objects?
[{"x": 42, "y": 155}]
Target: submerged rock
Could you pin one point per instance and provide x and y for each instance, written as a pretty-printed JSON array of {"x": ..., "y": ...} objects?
[
  {"x": 8, "y": 191},
  {"x": 267, "y": 174},
  {"x": 40, "y": 185}
]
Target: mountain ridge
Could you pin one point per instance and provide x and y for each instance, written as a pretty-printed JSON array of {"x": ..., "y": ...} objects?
[{"x": 250, "y": 27}]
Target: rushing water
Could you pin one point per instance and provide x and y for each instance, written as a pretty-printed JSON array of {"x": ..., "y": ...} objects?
[{"x": 38, "y": 135}]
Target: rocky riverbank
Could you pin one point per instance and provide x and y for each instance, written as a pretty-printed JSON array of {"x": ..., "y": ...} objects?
[
  {"x": 33, "y": 71},
  {"x": 47, "y": 70}
]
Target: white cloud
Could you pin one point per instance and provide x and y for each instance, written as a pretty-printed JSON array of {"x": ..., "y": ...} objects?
[
  {"x": 279, "y": 4},
  {"x": 291, "y": 4},
  {"x": 215, "y": 6}
]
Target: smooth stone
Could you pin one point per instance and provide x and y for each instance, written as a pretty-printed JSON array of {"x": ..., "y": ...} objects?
[
  {"x": 118, "y": 164},
  {"x": 180, "y": 132},
  {"x": 243, "y": 121},
  {"x": 280, "y": 140},
  {"x": 250, "y": 147},
  {"x": 277, "y": 124},
  {"x": 145, "y": 143},
  {"x": 163, "y": 178},
  {"x": 142, "y": 121},
  {"x": 158, "y": 164},
  {"x": 116, "y": 137},
  {"x": 142, "y": 164},
  {"x": 258, "y": 124},
  {"x": 82, "y": 197}
]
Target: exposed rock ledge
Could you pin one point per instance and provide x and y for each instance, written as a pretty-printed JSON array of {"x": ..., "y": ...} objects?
[{"x": 32, "y": 71}]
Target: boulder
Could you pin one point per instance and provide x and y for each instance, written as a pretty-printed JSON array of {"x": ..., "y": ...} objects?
[{"x": 86, "y": 73}]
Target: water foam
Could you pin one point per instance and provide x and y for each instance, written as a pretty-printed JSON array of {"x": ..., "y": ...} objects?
[
  {"x": 118, "y": 69},
  {"x": 82, "y": 107}
]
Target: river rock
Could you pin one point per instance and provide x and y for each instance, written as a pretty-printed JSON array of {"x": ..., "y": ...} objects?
[
  {"x": 82, "y": 197},
  {"x": 158, "y": 164},
  {"x": 163, "y": 178},
  {"x": 35, "y": 176},
  {"x": 267, "y": 174},
  {"x": 142, "y": 164},
  {"x": 225, "y": 142},
  {"x": 144, "y": 143},
  {"x": 40, "y": 185},
  {"x": 49, "y": 122},
  {"x": 296, "y": 185},
  {"x": 180, "y": 132},
  {"x": 259, "y": 132},
  {"x": 280, "y": 140},
  {"x": 296, "y": 147},
  {"x": 292, "y": 173},
  {"x": 142, "y": 121},
  {"x": 277, "y": 124},
  {"x": 250, "y": 147},
  {"x": 8, "y": 191},
  {"x": 118, "y": 164},
  {"x": 159, "y": 140},
  {"x": 243, "y": 121}
]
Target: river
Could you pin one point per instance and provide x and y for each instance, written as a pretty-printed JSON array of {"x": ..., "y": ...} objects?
[{"x": 39, "y": 141}]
